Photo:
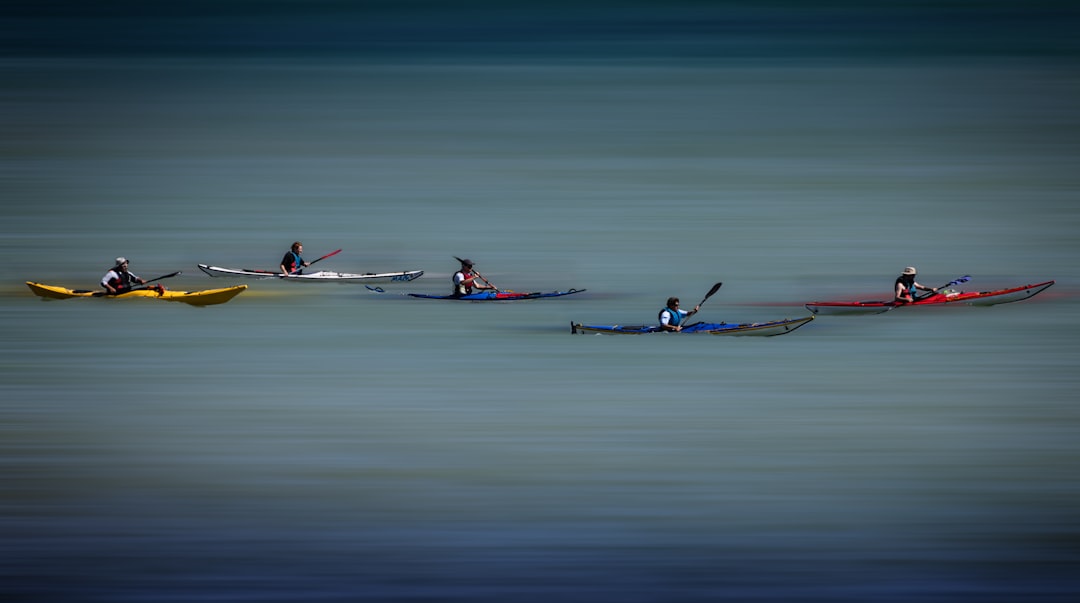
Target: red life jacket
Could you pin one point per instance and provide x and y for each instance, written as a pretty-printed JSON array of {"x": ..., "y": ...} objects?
[
  {"x": 468, "y": 288},
  {"x": 120, "y": 282}
]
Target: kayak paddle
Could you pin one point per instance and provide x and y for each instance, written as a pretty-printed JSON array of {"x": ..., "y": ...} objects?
[
  {"x": 165, "y": 276},
  {"x": 143, "y": 285},
  {"x": 714, "y": 289},
  {"x": 299, "y": 268},
  {"x": 962, "y": 279}
]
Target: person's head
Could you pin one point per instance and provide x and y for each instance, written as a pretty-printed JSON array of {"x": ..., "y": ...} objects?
[
  {"x": 673, "y": 303},
  {"x": 121, "y": 264},
  {"x": 466, "y": 265},
  {"x": 297, "y": 247},
  {"x": 909, "y": 273}
]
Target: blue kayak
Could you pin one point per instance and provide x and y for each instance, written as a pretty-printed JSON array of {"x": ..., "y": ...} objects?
[
  {"x": 498, "y": 295},
  {"x": 760, "y": 329}
]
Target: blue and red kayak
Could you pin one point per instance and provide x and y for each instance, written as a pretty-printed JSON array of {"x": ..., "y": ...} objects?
[{"x": 499, "y": 295}]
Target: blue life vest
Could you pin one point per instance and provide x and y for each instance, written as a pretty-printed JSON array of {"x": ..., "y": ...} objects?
[
  {"x": 298, "y": 263},
  {"x": 676, "y": 316}
]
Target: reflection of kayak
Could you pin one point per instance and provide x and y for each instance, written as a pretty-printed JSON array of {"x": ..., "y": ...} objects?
[
  {"x": 206, "y": 297},
  {"x": 498, "y": 296},
  {"x": 971, "y": 298},
  {"x": 761, "y": 329},
  {"x": 316, "y": 277}
]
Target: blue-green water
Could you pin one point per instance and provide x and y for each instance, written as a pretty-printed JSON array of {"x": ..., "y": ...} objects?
[{"x": 330, "y": 443}]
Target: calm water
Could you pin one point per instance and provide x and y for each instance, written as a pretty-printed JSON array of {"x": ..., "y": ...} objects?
[{"x": 330, "y": 443}]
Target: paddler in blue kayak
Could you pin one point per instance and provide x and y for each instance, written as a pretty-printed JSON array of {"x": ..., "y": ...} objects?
[
  {"x": 465, "y": 280},
  {"x": 293, "y": 263},
  {"x": 118, "y": 279},
  {"x": 671, "y": 317},
  {"x": 906, "y": 287}
]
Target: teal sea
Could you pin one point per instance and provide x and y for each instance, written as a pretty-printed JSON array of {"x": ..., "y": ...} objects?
[{"x": 328, "y": 442}]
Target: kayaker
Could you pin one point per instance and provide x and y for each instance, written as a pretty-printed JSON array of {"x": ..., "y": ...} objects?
[
  {"x": 293, "y": 263},
  {"x": 119, "y": 280},
  {"x": 906, "y": 286},
  {"x": 671, "y": 317},
  {"x": 465, "y": 280}
]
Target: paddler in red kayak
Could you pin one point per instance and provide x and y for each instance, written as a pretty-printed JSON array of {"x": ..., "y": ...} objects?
[
  {"x": 465, "y": 280},
  {"x": 906, "y": 286},
  {"x": 118, "y": 279}
]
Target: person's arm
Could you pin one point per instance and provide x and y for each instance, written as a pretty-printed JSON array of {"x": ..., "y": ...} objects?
[
  {"x": 665, "y": 322},
  {"x": 471, "y": 281},
  {"x": 285, "y": 262},
  {"x": 105, "y": 283},
  {"x": 898, "y": 294},
  {"x": 925, "y": 288}
]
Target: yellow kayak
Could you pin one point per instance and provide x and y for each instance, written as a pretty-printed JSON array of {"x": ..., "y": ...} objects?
[{"x": 207, "y": 297}]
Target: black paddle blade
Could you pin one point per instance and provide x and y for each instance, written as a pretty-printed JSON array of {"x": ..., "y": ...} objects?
[
  {"x": 714, "y": 289},
  {"x": 165, "y": 276}
]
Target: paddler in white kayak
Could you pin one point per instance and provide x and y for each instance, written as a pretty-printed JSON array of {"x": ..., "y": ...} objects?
[
  {"x": 906, "y": 287},
  {"x": 293, "y": 263}
]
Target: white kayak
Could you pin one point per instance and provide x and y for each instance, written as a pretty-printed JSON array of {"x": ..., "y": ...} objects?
[{"x": 322, "y": 276}]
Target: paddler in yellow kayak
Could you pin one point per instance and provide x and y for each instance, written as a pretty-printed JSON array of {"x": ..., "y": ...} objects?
[{"x": 119, "y": 279}]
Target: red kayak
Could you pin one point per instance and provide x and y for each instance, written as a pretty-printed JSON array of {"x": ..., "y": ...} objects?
[{"x": 943, "y": 297}]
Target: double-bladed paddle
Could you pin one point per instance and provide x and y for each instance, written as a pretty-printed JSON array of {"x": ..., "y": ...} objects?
[
  {"x": 143, "y": 285},
  {"x": 962, "y": 279},
  {"x": 711, "y": 292},
  {"x": 299, "y": 268}
]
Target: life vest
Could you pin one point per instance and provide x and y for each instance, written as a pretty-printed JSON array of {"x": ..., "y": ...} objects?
[
  {"x": 909, "y": 288},
  {"x": 295, "y": 263},
  {"x": 461, "y": 288},
  {"x": 676, "y": 316},
  {"x": 120, "y": 281}
]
